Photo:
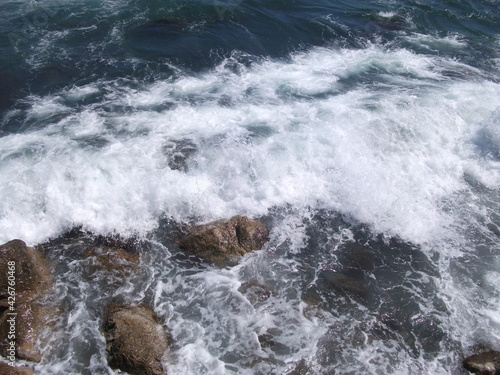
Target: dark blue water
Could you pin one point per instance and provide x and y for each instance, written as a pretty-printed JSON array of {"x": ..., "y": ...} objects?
[
  {"x": 49, "y": 45},
  {"x": 366, "y": 134}
]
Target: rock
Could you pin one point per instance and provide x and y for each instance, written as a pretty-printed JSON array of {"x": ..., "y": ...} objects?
[
  {"x": 31, "y": 320},
  {"x": 486, "y": 363},
  {"x": 178, "y": 153},
  {"x": 301, "y": 368},
  {"x": 267, "y": 341},
  {"x": 6, "y": 369},
  {"x": 135, "y": 340},
  {"x": 256, "y": 293},
  {"x": 117, "y": 241},
  {"x": 113, "y": 259},
  {"x": 394, "y": 23},
  {"x": 29, "y": 275},
  {"x": 353, "y": 283},
  {"x": 33, "y": 277},
  {"x": 223, "y": 239}
]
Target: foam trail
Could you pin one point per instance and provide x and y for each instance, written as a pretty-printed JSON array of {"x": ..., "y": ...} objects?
[{"x": 386, "y": 152}]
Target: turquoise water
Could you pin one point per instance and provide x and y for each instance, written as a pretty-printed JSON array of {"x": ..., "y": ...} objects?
[{"x": 364, "y": 133}]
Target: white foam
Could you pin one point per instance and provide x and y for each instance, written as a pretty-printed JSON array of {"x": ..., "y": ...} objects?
[
  {"x": 433, "y": 42},
  {"x": 216, "y": 326},
  {"x": 387, "y": 14},
  {"x": 492, "y": 312},
  {"x": 386, "y": 152},
  {"x": 46, "y": 47}
]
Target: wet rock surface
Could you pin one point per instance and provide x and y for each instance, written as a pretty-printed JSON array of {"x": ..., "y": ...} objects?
[
  {"x": 6, "y": 369},
  {"x": 113, "y": 259},
  {"x": 33, "y": 282},
  {"x": 268, "y": 341},
  {"x": 32, "y": 270},
  {"x": 223, "y": 239},
  {"x": 256, "y": 293},
  {"x": 486, "y": 363},
  {"x": 300, "y": 368},
  {"x": 129, "y": 244},
  {"x": 135, "y": 340}
]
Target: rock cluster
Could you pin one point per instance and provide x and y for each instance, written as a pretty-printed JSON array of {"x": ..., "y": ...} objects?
[{"x": 135, "y": 339}]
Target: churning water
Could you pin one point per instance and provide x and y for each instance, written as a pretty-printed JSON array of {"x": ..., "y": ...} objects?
[{"x": 365, "y": 134}]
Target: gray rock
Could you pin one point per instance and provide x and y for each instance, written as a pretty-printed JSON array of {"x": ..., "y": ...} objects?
[
  {"x": 301, "y": 368},
  {"x": 135, "y": 340}
]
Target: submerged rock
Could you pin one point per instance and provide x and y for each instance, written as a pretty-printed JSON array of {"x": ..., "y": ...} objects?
[
  {"x": 6, "y": 369},
  {"x": 224, "y": 239},
  {"x": 393, "y": 23},
  {"x": 268, "y": 341},
  {"x": 301, "y": 368},
  {"x": 25, "y": 282},
  {"x": 178, "y": 154},
  {"x": 135, "y": 340},
  {"x": 486, "y": 363},
  {"x": 113, "y": 259},
  {"x": 354, "y": 284},
  {"x": 256, "y": 293}
]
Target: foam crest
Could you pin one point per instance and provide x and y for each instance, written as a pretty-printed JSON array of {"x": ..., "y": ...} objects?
[{"x": 385, "y": 151}]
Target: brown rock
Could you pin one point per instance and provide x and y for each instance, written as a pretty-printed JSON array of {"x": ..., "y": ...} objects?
[
  {"x": 32, "y": 319},
  {"x": 223, "y": 239},
  {"x": 113, "y": 259},
  {"x": 6, "y": 369},
  {"x": 30, "y": 278},
  {"x": 33, "y": 277},
  {"x": 135, "y": 340},
  {"x": 486, "y": 363},
  {"x": 117, "y": 241}
]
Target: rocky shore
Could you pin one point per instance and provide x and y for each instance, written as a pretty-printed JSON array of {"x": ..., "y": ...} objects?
[{"x": 137, "y": 341}]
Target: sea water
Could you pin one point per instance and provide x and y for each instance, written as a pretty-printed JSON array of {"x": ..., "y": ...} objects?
[{"x": 365, "y": 134}]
